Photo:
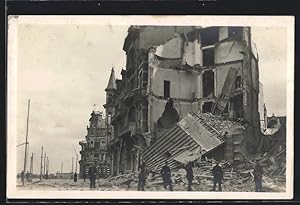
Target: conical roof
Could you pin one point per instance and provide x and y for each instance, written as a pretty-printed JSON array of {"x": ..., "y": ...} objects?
[{"x": 112, "y": 81}]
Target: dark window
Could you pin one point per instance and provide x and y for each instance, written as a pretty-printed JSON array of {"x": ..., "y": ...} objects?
[
  {"x": 145, "y": 120},
  {"x": 208, "y": 57},
  {"x": 206, "y": 107},
  {"x": 235, "y": 32},
  {"x": 131, "y": 115},
  {"x": 208, "y": 83},
  {"x": 238, "y": 81},
  {"x": 237, "y": 106},
  {"x": 97, "y": 145},
  {"x": 209, "y": 36},
  {"x": 145, "y": 80},
  {"x": 166, "y": 89}
]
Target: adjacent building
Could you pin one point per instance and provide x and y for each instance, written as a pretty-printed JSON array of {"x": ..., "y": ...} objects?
[
  {"x": 172, "y": 71},
  {"x": 262, "y": 109},
  {"x": 93, "y": 148}
]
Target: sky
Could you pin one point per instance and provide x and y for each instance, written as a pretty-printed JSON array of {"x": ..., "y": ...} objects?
[{"x": 64, "y": 70}]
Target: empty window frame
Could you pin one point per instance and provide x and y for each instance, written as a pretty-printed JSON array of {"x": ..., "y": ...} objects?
[
  {"x": 206, "y": 107},
  {"x": 235, "y": 32},
  {"x": 208, "y": 84},
  {"x": 208, "y": 56},
  {"x": 237, "y": 106},
  {"x": 166, "y": 89},
  {"x": 97, "y": 145},
  {"x": 143, "y": 79},
  {"x": 209, "y": 36}
]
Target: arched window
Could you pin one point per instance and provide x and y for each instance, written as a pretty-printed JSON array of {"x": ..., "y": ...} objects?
[{"x": 132, "y": 115}]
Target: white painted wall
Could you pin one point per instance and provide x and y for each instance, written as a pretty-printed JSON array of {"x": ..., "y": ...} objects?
[{"x": 228, "y": 51}]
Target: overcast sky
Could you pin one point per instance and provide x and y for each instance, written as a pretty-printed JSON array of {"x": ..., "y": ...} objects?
[{"x": 64, "y": 70}]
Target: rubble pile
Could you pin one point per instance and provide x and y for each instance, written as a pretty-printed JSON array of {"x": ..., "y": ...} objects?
[
  {"x": 274, "y": 166},
  {"x": 125, "y": 179},
  {"x": 220, "y": 122},
  {"x": 237, "y": 178}
]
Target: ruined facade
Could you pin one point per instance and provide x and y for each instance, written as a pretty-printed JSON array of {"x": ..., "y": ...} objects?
[
  {"x": 172, "y": 71},
  {"x": 93, "y": 149}
]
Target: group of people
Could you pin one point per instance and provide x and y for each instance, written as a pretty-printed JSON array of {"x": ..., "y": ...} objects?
[
  {"x": 217, "y": 172},
  {"x": 166, "y": 176}
]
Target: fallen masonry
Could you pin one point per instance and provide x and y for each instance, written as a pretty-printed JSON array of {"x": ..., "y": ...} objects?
[
  {"x": 238, "y": 174},
  {"x": 237, "y": 178}
]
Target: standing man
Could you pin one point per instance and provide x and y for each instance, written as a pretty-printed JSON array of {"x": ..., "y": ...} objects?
[
  {"x": 92, "y": 176},
  {"x": 75, "y": 177},
  {"x": 84, "y": 175},
  {"x": 217, "y": 172},
  {"x": 258, "y": 173},
  {"x": 166, "y": 176},
  {"x": 22, "y": 176},
  {"x": 189, "y": 175},
  {"x": 142, "y": 176}
]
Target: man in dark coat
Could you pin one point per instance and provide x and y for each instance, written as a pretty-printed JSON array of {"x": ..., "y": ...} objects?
[
  {"x": 84, "y": 176},
  {"x": 166, "y": 176},
  {"x": 75, "y": 177},
  {"x": 258, "y": 173},
  {"x": 22, "y": 176},
  {"x": 189, "y": 175},
  {"x": 92, "y": 176},
  {"x": 217, "y": 172},
  {"x": 142, "y": 176}
]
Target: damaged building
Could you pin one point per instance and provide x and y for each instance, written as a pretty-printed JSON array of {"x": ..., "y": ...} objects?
[
  {"x": 174, "y": 76},
  {"x": 93, "y": 148}
]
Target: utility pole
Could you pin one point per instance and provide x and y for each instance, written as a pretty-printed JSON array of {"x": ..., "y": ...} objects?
[
  {"x": 45, "y": 165},
  {"x": 31, "y": 164},
  {"x": 76, "y": 163},
  {"x": 61, "y": 169},
  {"x": 76, "y": 158},
  {"x": 72, "y": 167},
  {"x": 41, "y": 173},
  {"x": 26, "y": 142}
]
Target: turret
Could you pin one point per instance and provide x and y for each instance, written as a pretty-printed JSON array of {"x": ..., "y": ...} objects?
[{"x": 110, "y": 92}]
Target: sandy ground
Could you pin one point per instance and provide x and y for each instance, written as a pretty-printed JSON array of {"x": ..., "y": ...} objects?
[{"x": 80, "y": 185}]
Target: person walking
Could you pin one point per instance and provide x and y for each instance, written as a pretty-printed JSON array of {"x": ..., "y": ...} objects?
[
  {"x": 92, "y": 176},
  {"x": 166, "y": 176},
  {"x": 189, "y": 175},
  {"x": 217, "y": 173},
  {"x": 258, "y": 174},
  {"x": 142, "y": 176}
]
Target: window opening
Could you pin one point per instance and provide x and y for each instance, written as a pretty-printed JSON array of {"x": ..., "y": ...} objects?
[
  {"x": 208, "y": 84},
  {"x": 209, "y": 36},
  {"x": 166, "y": 89},
  {"x": 206, "y": 107}
]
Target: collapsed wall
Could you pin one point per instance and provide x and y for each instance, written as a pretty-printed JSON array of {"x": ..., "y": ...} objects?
[{"x": 194, "y": 137}]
